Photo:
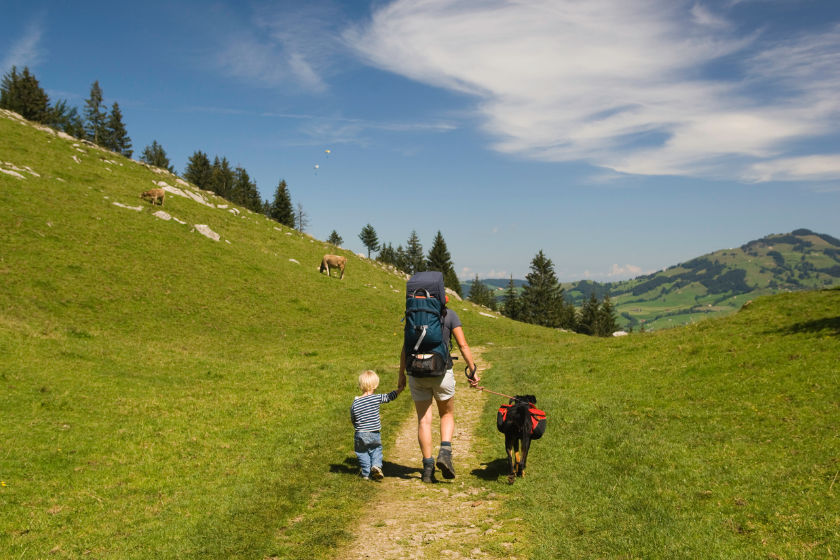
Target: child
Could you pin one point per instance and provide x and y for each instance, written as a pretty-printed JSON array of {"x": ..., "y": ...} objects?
[{"x": 365, "y": 417}]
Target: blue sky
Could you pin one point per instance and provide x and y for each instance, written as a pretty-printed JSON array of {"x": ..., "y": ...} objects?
[{"x": 618, "y": 136}]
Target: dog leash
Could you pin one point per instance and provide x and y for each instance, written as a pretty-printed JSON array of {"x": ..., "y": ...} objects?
[{"x": 503, "y": 395}]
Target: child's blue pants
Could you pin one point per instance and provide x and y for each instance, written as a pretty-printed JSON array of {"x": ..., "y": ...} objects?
[{"x": 368, "y": 447}]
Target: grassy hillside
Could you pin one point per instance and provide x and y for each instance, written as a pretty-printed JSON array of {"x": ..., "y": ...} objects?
[
  {"x": 169, "y": 395},
  {"x": 719, "y": 283},
  {"x": 716, "y": 440}
]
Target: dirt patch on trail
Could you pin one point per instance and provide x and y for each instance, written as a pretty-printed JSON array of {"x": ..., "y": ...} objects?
[{"x": 458, "y": 518}]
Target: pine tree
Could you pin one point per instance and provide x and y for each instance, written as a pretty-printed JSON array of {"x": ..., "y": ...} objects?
[
  {"x": 23, "y": 94},
  {"x": 401, "y": 260},
  {"x": 302, "y": 218},
  {"x": 155, "y": 155},
  {"x": 511, "y": 307},
  {"x": 480, "y": 294},
  {"x": 543, "y": 299},
  {"x": 439, "y": 259},
  {"x": 223, "y": 178},
  {"x": 607, "y": 317},
  {"x": 369, "y": 239},
  {"x": 587, "y": 322},
  {"x": 67, "y": 120},
  {"x": 95, "y": 114},
  {"x": 244, "y": 191},
  {"x": 281, "y": 209},
  {"x": 387, "y": 254},
  {"x": 199, "y": 172},
  {"x": 335, "y": 239},
  {"x": 415, "y": 260},
  {"x": 116, "y": 137}
]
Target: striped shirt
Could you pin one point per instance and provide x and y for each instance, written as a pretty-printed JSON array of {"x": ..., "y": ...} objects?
[{"x": 365, "y": 411}]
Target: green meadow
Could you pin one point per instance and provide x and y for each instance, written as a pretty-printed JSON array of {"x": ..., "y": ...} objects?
[{"x": 165, "y": 395}]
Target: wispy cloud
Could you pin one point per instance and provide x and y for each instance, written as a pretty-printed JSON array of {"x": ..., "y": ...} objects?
[
  {"x": 293, "y": 46},
  {"x": 26, "y": 51},
  {"x": 626, "y": 271},
  {"x": 622, "y": 85}
]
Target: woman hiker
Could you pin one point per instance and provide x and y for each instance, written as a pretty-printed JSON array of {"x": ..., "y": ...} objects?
[{"x": 442, "y": 389}]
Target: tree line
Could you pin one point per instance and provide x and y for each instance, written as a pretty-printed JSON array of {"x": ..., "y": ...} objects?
[
  {"x": 22, "y": 93},
  {"x": 412, "y": 259},
  {"x": 543, "y": 302}
]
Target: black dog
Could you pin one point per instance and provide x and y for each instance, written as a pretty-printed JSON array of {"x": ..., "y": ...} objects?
[{"x": 520, "y": 421}]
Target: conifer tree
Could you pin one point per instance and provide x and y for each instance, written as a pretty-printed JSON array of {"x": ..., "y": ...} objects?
[
  {"x": 369, "y": 239},
  {"x": 199, "y": 172},
  {"x": 302, "y": 218},
  {"x": 281, "y": 209},
  {"x": 607, "y": 317},
  {"x": 335, "y": 239},
  {"x": 244, "y": 191},
  {"x": 511, "y": 306},
  {"x": 387, "y": 254},
  {"x": 116, "y": 137},
  {"x": 543, "y": 299},
  {"x": 23, "y": 94},
  {"x": 587, "y": 322},
  {"x": 480, "y": 294},
  {"x": 415, "y": 260},
  {"x": 401, "y": 259},
  {"x": 66, "y": 119},
  {"x": 155, "y": 155},
  {"x": 439, "y": 259},
  {"x": 223, "y": 178},
  {"x": 95, "y": 114}
]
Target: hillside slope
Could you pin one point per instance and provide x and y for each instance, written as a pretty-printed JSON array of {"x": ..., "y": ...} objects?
[{"x": 170, "y": 395}]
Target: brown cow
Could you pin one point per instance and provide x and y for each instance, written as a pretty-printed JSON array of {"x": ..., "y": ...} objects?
[
  {"x": 333, "y": 261},
  {"x": 154, "y": 194}
]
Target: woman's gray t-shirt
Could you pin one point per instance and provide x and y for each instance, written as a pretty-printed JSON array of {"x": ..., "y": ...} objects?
[{"x": 450, "y": 322}]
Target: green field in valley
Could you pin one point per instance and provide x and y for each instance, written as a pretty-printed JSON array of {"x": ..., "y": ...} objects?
[{"x": 167, "y": 395}]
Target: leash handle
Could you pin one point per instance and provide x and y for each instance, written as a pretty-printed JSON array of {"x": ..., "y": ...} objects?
[{"x": 470, "y": 375}]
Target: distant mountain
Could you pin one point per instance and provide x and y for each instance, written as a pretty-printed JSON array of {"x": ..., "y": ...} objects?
[{"x": 721, "y": 282}]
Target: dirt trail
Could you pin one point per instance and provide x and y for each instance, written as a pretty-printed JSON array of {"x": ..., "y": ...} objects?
[{"x": 453, "y": 518}]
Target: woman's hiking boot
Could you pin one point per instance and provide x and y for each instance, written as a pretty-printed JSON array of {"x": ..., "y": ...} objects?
[
  {"x": 428, "y": 473},
  {"x": 444, "y": 463}
]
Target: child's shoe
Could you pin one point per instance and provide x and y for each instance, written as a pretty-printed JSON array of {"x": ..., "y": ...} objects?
[{"x": 376, "y": 473}]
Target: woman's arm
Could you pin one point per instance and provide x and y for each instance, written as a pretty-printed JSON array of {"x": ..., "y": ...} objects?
[
  {"x": 466, "y": 353},
  {"x": 402, "y": 381}
]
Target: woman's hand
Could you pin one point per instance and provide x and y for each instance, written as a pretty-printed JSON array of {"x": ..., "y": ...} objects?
[{"x": 402, "y": 381}]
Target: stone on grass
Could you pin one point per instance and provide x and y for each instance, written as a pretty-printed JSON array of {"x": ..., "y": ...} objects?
[
  {"x": 294, "y": 261},
  {"x": 234, "y": 211},
  {"x": 207, "y": 232},
  {"x": 619, "y": 333},
  {"x": 162, "y": 215},
  {"x": 12, "y": 173},
  {"x": 135, "y": 208}
]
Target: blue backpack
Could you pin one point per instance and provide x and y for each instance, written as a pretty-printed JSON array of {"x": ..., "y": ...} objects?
[{"x": 426, "y": 352}]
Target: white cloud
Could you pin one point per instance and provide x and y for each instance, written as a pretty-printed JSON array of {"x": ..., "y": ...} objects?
[
  {"x": 617, "y": 84},
  {"x": 494, "y": 274},
  {"x": 466, "y": 273},
  {"x": 26, "y": 51},
  {"x": 626, "y": 271}
]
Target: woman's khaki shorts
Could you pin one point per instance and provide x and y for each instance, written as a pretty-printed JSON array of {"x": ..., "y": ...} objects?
[{"x": 423, "y": 388}]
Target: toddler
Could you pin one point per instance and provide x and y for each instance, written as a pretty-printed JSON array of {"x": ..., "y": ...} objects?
[{"x": 365, "y": 417}]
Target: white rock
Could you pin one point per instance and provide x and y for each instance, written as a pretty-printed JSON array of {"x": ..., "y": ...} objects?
[
  {"x": 619, "y": 333},
  {"x": 278, "y": 229},
  {"x": 77, "y": 160},
  {"x": 294, "y": 261},
  {"x": 206, "y": 231},
  {"x": 198, "y": 198},
  {"x": 64, "y": 135},
  {"x": 162, "y": 215},
  {"x": 135, "y": 208},
  {"x": 161, "y": 184},
  {"x": 182, "y": 182},
  {"x": 30, "y": 171},
  {"x": 12, "y": 173},
  {"x": 177, "y": 220},
  {"x": 81, "y": 150},
  {"x": 44, "y": 128},
  {"x": 287, "y": 233},
  {"x": 361, "y": 255},
  {"x": 222, "y": 206},
  {"x": 226, "y": 241},
  {"x": 234, "y": 211},
  {"x": 487, "y": 314},
  {"x": 175, "y": 190}
]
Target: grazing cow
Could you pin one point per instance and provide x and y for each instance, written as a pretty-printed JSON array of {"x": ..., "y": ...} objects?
[
  {"x": 520, "y": 421},
  {"x": 333, "y": 261},
  {"x": 154, "y": 194}
]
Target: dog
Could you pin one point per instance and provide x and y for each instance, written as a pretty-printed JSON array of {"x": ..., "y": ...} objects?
[
  {"x": 154, "y": 195},
  {"x": 334, "y": 261},
  {"x": 521, "y": 422}
]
